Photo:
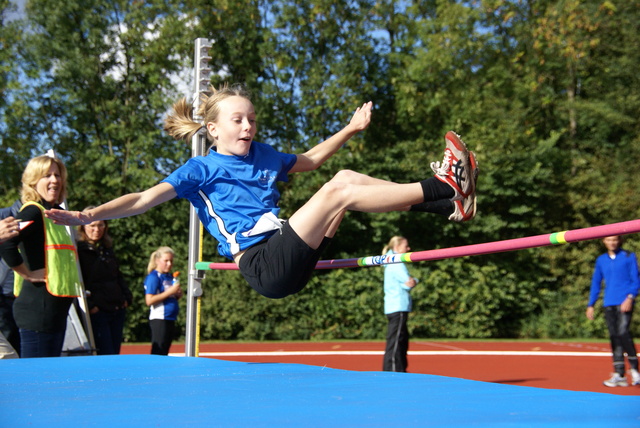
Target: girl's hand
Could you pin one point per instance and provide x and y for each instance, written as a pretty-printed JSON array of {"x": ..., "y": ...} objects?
[
  {"x": 175, "y": 290},
  {"x": 411, "y": 282},
  {"x": 362, "y": 117},
  {"x": 180, "y": 293},
  {"x": 67, "y": 218}
]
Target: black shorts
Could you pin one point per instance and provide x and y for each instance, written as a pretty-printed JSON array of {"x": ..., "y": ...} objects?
[{"x": 281, "y": 265}]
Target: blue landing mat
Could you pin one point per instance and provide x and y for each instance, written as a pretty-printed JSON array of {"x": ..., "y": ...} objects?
[{"x": 147, "y": 390}]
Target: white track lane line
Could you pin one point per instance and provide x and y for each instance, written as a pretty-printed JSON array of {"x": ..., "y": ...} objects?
[{"x": 467, "y": 353}]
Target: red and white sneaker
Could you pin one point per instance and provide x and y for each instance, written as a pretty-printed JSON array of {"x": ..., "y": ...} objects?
[
  {"x": 465, "y": 209},
  {"x": 454, "y": 168}
]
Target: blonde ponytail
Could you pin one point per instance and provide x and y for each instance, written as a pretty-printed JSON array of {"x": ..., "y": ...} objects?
[{"x": 180, "y": 124}]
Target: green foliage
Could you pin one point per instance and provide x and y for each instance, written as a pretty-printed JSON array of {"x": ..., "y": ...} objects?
[
  {"x": 351, "y": 309},
  {"x": 546, "y": 93}
]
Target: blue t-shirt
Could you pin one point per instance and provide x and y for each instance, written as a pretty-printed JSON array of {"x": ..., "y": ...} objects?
[
  {"x": 156, "y": 283},
  {"x": 397, "y": 297},
  {"x": 620, "y": 274},
  {"x": 231, "y": 193}
]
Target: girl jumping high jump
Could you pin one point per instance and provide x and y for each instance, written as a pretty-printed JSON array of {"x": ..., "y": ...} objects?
[{"x": 233, "y": 190}]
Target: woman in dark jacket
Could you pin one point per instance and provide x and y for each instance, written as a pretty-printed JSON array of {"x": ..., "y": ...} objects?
[{"x": 107, "y": 293}]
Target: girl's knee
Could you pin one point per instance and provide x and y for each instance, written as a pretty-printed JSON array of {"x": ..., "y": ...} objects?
[
  {"x": 347, "y": 176},
  {"x": 339, "y": 190},
  {"x": 333, "y": 188}
]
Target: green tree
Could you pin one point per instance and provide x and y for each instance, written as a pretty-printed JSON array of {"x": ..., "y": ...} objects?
[
  {"x": 14, "y": 107},
  {"x": 544, "y": 91}
]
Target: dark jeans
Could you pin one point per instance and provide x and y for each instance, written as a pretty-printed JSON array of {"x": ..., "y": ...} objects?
[
  {"x": 107, "y": 330},
  {"x": 621, "y": 341},
  {"x": 395, "y": 354},
  {"x": 8, "y": 325},
  {"x": 161, "y": 336},
  {"x": 36, "y": 344}
]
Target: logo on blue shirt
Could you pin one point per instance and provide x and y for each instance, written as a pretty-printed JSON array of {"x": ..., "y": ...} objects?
[{"x": 265, "y": 177}]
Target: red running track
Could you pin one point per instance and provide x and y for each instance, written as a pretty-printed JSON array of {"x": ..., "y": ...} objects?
[{"x": 574, "y": 366}]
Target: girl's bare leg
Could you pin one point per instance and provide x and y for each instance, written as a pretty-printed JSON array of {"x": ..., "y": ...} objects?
[
  {"x": 333, "y": 227},
  {"x": 350, "y": 191}
]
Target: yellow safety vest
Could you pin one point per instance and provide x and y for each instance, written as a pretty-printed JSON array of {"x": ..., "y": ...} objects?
[{"x": 61, "y": 269}]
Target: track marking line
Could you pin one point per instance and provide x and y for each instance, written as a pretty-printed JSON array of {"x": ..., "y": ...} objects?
[{"x": 426, "y": 353}]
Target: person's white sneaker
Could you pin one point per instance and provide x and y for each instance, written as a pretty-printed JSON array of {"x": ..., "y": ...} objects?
[
  {"x": 635, "y": 377},
  {"x": 616, "y": 380}
]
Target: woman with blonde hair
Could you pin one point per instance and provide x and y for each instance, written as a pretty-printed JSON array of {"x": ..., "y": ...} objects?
[
  {"x": 162, "y": 291},
  {"x": 397, "y": 305},
  {"x": 44, "y": 258}
]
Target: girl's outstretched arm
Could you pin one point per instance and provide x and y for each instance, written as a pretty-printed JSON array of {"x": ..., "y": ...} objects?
[
  {"x": 124, "y": 206},
  {"x": 317, "y": 155}
]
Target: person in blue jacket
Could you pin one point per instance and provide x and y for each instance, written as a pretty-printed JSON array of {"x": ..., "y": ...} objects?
[
  {"x": 162, "y": 292},
  {"x": 619, "y": 270},
  {"x": 397, "y": 305}
]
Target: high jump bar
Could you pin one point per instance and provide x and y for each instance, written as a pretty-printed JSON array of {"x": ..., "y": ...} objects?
[{"x": 557, "y": 238}]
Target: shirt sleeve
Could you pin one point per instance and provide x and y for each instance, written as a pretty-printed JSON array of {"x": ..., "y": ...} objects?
[
  {"x": 152, "y": 284},
  {"x": 635, "y": 276},
  {"x": 405, "y": 277},
  {"x": 596, "y": 284},
  {"x": 187, "y": 179},
  {"x": 288, "y": 161},
  {"x": 5, "y": 212},
  {"x": 6, "y": 280},
  {"x": 398, "y": 274}
]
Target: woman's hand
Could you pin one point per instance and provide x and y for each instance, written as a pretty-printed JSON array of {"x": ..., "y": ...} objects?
[{"x": 31, "y": 276}]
